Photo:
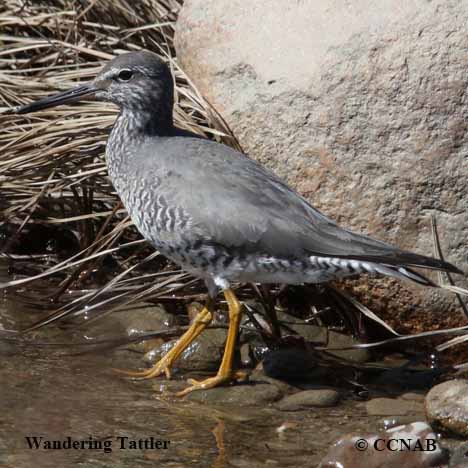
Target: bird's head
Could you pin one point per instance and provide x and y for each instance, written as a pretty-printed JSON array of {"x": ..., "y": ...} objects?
[{"x": 136, "y": 81}]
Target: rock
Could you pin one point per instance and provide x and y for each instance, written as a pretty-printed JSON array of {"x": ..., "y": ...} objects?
[
  {"x": 446, "y": 406},
  {"x": 359, "y": 105},
  {"x": 258, "y": 376},
  {"x": 393, "y": 407},
  {"x": 205, "y": 353},
  {"x": 308, "y": 331},
  {"x": 329, "y": 338},
  {"x": 405, "y": 377},
  {"x": 298, "y": 366},
  {"x": 290, "y": 364},
  {"x": 134, "y": 321},
  {"x": 239, "y": 394},
  {"x": 459, "y": 458},
  {"x": 309, "y": 398},
  {"x": 370, "y": 450},
  {"x": 340, "y": 340},
  {"x": 146, "y": 319}
]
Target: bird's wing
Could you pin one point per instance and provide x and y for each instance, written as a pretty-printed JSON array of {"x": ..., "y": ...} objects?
[{"x": 235, "y": 202}]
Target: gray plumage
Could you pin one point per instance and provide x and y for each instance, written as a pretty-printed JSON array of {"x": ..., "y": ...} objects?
[{"x": 213, "y": 210}]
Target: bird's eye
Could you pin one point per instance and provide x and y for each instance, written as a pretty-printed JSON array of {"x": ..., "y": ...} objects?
[{"x": 125, "y": 75}]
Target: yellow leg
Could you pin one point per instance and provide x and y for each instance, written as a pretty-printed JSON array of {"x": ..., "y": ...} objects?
[
  {"x": 225, "y": 373},
  {"x": 201, "y": 321}
]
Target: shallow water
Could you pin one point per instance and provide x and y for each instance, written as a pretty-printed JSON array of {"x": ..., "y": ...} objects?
[
  {"x": 43, "y": 394},
  {"x": 55, "y": 394}
]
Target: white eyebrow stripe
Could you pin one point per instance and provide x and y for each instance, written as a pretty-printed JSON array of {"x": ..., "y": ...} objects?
[{"x": 110, "y": 73}]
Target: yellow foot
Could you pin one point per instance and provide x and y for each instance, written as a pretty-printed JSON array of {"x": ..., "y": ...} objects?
[
  {"x": 212, "y": 382},
  {"x": 204, "y": 384},
  {"x": 163, "y": 366}
]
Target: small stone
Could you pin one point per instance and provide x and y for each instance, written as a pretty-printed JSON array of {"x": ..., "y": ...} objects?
[
  {"x": 247, "y": 394},
  {"x": 146, "y": 319},
  {"x": 140, "y": 319},
  {"x": 393, "y": 407},
  {"x": 446, "y": 406},
  {"x": 309, "y": 398}
]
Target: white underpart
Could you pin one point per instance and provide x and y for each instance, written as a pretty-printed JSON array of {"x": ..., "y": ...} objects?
[
  {"x": 319, "y": 270},
  {"x": 222, "y": 283}
]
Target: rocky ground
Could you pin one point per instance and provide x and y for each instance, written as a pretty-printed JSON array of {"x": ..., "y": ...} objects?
[
  {"x": 292, "y": 381},
  {"x": 294, "y": 409}
]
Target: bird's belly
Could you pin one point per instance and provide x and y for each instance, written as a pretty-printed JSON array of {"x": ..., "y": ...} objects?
[
  {"x": 265, "y": 269},
  {"x": 203, "y": 259},
  {"x": 312, "y": 269}
]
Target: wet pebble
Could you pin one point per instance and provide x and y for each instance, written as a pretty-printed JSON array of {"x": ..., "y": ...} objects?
[
  {"x": 309, "y": 398},
  {"x": 393, "y": 407},
  {"x": 369, "y": 450},
  {"x": 146, "y": 319},
  {"x": 132, "y": 322},
  {"x": 239, "y": 394},
  {"x": 446, "y": 406}
]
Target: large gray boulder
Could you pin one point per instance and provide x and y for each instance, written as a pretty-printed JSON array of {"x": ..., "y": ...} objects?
[{"x": 360, "y": 105}]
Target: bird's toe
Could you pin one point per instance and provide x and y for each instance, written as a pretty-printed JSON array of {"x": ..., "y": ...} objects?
[{"x": 158, "y": 369}]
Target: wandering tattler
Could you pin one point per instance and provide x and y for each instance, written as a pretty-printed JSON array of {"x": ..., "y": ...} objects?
[{"x": 214, "y": 211}]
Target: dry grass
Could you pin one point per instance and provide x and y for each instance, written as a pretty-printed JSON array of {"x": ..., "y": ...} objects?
[
  {"x": 61, "y": 219},
  {"x": 52, "y": 170}
]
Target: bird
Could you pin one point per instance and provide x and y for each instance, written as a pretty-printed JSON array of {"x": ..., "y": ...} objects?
[{"x": 217, "y": 213}]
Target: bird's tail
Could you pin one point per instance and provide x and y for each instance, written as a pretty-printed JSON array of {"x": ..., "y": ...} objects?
[
  {"x": 405, "y": 273},
  {"x": 399, "y": 264}
]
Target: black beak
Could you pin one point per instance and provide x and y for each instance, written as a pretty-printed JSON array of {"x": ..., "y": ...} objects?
[{"x": 72, "y": 95}]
